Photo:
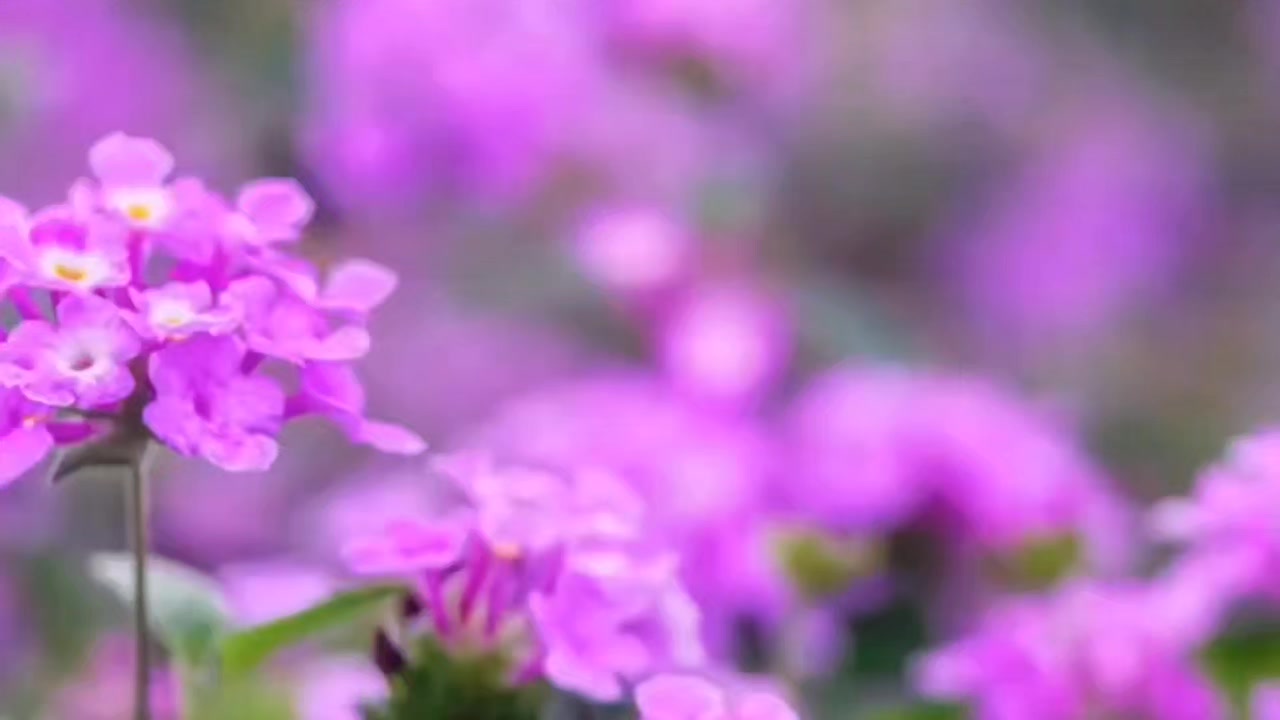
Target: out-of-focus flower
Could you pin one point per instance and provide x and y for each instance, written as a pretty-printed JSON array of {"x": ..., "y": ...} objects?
[
  {"x": 725, "y": 343},
  {"x": 556, "y": 573},
  {"x": 1228, "y": 522},
  {"x": 876, "y": 449},
  {"x": 1090, "y": 230},
  {"x": 693, "y": 697},
  {"x": 703, "y": 475},
  {"x": 336, "y": 689},
  {"x": 1087, "y": 650},
  {"x": 414, "y": 97},
  {"x": 186, "y": 354},
  {"x": 267, "y": 590},
  {"x": 58, "y": 97},
  {"x": 633, "y": 250}
]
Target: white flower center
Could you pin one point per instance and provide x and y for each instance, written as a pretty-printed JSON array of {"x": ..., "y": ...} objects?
[
  {"x": 81, "y": 270},
  {"x": 142, "y": 207}
]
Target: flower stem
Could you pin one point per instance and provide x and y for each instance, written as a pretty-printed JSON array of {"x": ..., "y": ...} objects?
[{"x": 137, "y": 521}]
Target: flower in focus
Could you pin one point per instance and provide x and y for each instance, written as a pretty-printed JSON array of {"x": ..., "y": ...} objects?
[{"x": 186, "y": 352}]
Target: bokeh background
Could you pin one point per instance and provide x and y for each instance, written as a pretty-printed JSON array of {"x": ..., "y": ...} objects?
[{"x": 648, "y": 213}]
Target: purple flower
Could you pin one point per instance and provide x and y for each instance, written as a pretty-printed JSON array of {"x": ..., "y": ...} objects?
[
  {"x": 25, "y": 438},
  {"x": 588, "y": 648},
  {"x": 59, "y": 251},
  {"x": 725, "y": 343},
  {"x": 409, "y": 546},
  {"x": 282, "y": 325},
  {"x": 1084, "y": 651},
  {"x": 266, "y": 591},
  {"x": 693, "y": 697},
  {"x": 178, "y": 310},
  {"x": 206, "y": 406},
  {"x": 273, "y": 210},
  {"x": 132, "y": 174},
  {"x": 699, "y": 476},
  {"x": 213, "y": 298},
  {"x": 83, "y": 360},
  {"x": 879, "y": 448},
  {"x": 559, "y": 572},
  {"x": 1231, "y": 517},
  {"x": 634, "y": 249},
  {"x": 334, "y": 391}
]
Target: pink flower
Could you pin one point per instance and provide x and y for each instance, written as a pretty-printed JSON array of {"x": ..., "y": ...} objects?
[
  {"x": 692, "y": 697},
  {"x": 83, "y": 360},
  {"x": 206, "y": 406}
]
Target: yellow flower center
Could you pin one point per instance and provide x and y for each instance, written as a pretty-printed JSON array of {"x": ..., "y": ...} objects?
[
  {"x": 139, "y": 213},
  {"x": 70, "y": 273}
]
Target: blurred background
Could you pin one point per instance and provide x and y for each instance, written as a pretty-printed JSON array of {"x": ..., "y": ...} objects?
[{"x": 612, "y": 216}]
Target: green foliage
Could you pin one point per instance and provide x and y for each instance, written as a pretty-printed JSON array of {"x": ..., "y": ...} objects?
[
  {"x": 445, "y": 687},
  {"x": 1240, "y": 661},
  {"x": 821, "y": 566},
  {"x": 246, "y": 650},
  {"x": 923, "y": 711},
  {"x": 1038, "y": 564}
]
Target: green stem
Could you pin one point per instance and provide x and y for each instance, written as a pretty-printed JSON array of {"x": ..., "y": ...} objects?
[{"x": 137, "y": 519}]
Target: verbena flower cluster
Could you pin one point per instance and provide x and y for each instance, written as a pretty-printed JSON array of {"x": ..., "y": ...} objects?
[
  {"x": 556, "y": 571},
  {"x": 154, "y": 301}
]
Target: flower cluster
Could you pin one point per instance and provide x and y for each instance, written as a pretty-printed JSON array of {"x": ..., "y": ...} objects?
[
  {"x": 159, "y": 305},
  {"x": 704, "y": 475},
  {"x": 556, "y": 572},
  {"x": 1088, "y": 650},
  {"x": 879, "y": 449}
]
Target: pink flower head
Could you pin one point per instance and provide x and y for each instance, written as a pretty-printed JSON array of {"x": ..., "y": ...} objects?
[
  {"x": 210, "y": 300},
  {"x": 83, "y": 360},
  {"x": 132, "y": 174},
  {"x": 179, "y": 310},
  {"x": 59, "y": 251},
  {"x": 675, "y": 696},
  {"x": 206, "y": 406}
]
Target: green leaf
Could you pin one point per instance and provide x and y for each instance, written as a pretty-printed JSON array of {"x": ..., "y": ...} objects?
[
  {"x": 246, "y": 698},
  {"x": 821, "y": 566},
  {"x": 246, "y": 650},
  {"x": 188, "y": 611},
  {"x": 1240, "y": 661},
  {"x": 1038, "y": 564},
  {"x": 924, "y": 711},
  {"x": 449, "y": 686}
]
